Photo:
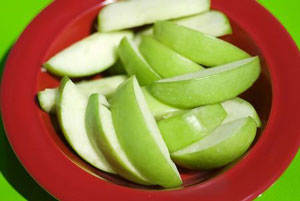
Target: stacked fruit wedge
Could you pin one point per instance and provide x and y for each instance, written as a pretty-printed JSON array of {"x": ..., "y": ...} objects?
[{"x": 178, "y": 102}]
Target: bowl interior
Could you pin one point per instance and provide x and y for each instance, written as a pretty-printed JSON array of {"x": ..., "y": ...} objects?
[{"x": 260, "y": 95}]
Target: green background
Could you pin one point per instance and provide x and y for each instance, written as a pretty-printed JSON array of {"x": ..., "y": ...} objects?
[{"x": 17, "y": 185}]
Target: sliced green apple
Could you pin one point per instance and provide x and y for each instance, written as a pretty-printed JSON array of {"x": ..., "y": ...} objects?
[
  {"x": 208, "y": 86},
  {"x": 165, "y": 61},
  {"x": 140, "y": 137},
  {"x": 237, "y": 108},
  {"x": 71, "y": 107},
  {"x": 89, "y": 56},
  {"x": 214, "y": 23},
  {"x": 197, "y": 46},
  {"x": 224, "y": 145},
  {"x": 184, "y": 129},
  {"x": 102, "y": 134},
  {"x": 105, "y": 86},
  {"x": 128, "y": 14}
]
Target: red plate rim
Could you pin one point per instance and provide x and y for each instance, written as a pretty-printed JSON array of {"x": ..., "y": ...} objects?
[{"x": 55, "y": 172}]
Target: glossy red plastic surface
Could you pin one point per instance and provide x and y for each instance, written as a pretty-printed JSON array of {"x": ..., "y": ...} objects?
[{"x": 44, "y": 153}]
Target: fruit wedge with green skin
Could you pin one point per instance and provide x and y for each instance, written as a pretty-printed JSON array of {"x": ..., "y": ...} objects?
[
  {"x": 140, "y": 137},
  {"x": 105, "y": 86},
  {"x": 225, "y": 144},
  {"x": 164, "y": 60},
  {"x": 214, "y": 23},
  {"x": 197, "y": 46},
  {"x": 135, "y": 64},
  {"x": 102, "y": 134},
  {"x": 208, "y": 86},
  {"x": 184, "y": 129},
  {"x": 129, "y": 14},
  {"x": 158, "y": 109},
  {"x": 89, "y": 56},
  {"x": 238, "y": 108},
  {"x": 71, "y": 107}
]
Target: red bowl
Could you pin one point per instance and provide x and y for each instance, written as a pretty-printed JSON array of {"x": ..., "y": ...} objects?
[{"x": 43, "y": 151}]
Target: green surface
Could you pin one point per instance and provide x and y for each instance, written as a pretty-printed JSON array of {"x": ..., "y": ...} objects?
[{"x": 16, "y": 184}]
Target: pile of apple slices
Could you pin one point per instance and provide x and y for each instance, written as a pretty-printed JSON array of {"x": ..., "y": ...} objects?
[{"x": 178, "y": 102}]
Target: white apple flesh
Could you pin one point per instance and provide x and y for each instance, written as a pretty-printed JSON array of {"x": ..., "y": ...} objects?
[
  {"x": 88, "y": 56},
  {"x": 237, "y": 108}
]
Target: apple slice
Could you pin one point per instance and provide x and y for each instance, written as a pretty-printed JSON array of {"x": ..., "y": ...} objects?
[
  {"x": 238, "y": 108},
  {"x": 214, "y": 23},
  {"x": 89, "y": 56},
  {"x": 140, "y": 137},
  {"x": 224, "y": 145},
  {"x": 71, "y": 107},
  {"x": 105, "y": 86},
  {"x": 102, "y": 134},
  {"x": 158, "y": 109},
  {"x": 135, "y": 64},
  {"x": 208, "y": 86},
  {"x": 184, "y": 129},
  {"x": 128, "y": 14},
  {"x": 197, "y": 46},
  {"x": 165, "y": 61}
]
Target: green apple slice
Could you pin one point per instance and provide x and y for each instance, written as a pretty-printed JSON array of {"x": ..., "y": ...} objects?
[
  {"x": 89, "y": 56},
  {"x": 165, "y": 61},
  {"x": 214, "y": 23},
  {"x": 238, "y": 108},
  {"x": 135, "y": 64},
  {"x": 128, "y": 14},
  {"x": 224, "y": 145},
  {"x": 140, "y": 137},
  {"x": 208, "y": 86},
  {"x": 71, "y": 107},
  {"x": 197, "y": 46},
  {"x": 105, "y": 86},
  {"x": 158, "y": 109},
  {"x": 102, "y": 134},
  {"x": 184, "y": 129}
]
